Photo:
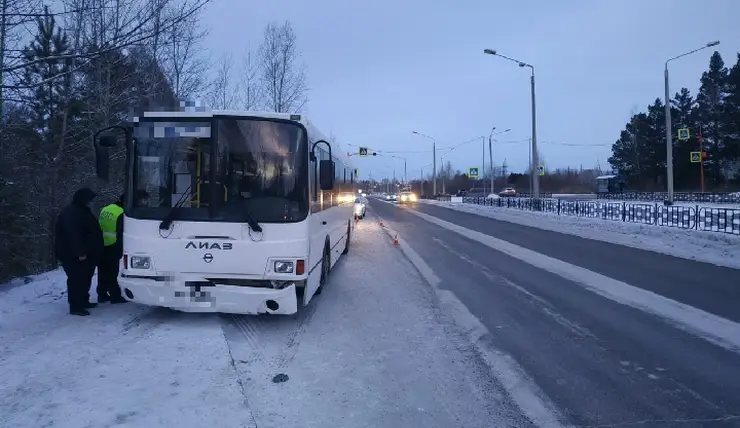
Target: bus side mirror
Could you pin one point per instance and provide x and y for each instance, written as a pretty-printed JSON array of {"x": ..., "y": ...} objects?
[
  {"x": 102, "y": 162},
  {"x": 326, "y": 174}
]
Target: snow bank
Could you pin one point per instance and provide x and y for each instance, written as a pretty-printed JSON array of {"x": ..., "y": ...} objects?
[
  {"x": 711, "y": 247},
  {"x": 124, "y": 366}
]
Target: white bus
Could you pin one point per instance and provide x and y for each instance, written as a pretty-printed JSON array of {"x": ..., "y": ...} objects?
[{"x": 227, "y": 211}]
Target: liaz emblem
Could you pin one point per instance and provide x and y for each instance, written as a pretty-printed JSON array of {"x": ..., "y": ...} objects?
[{"x": 205, "y": 245}]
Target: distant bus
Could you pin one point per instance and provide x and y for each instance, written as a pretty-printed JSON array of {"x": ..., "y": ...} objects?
[
  {"x": 609, "y": 184},
  {"x": 229, "y": 211}
]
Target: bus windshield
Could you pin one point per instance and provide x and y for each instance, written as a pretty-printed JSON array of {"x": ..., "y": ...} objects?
[{"x": 245, "y": 167}]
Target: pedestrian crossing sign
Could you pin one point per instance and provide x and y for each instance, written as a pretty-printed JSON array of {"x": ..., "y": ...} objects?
[
  {"x": 695, "y": 157},
  {"x": 684, "y": 134},
  {"x": 363, "y": 151},
  {"x": 473, "y": 172},
  {"x": 540, "y": 170}
]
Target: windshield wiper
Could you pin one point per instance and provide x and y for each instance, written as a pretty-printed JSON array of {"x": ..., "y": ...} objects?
[
  {"x": 170, "y": 217},
  {"x": 249, "y": 217}
]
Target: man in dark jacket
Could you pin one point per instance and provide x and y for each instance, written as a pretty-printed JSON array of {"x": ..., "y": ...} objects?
[
  {"x": 78, "y": 245},
  {"x": 111, "y": 223}
]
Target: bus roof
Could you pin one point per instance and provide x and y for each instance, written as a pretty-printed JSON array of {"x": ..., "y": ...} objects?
[
  {"x": 212, "y": 113},
  {"x": 313, "y": 132}
]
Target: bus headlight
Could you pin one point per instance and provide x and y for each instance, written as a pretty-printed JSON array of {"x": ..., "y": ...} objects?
[
  {"x": 283, "y": 267},
  {"x": 140, "y": 262}
]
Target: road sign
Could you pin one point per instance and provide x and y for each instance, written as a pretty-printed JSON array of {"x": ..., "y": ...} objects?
[
  {"x": 540, "y": 170},
  {"x": 684, "y": 134},
  {"x": 695, "y": 157},
  {"x": 473, "y": 172},
  {"x": 363, "y": 151}
]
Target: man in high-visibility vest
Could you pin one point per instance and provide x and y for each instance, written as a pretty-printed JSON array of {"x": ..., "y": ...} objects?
[{"x": 111, "y": 223}]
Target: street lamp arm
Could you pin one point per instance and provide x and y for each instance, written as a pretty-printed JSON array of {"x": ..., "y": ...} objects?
[
  {"x": 520, "y": 63},
  {"x": 423, "y": 135},
  {"x": 708, "y": 45}
]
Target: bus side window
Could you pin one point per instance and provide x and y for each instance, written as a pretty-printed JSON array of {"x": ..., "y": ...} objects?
[{"x": 312, "y": 179}]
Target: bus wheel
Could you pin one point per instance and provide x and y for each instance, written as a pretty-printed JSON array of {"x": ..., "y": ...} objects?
[
  {"x": 325, "y": 266},
  {"x": 349, "y": 235}
]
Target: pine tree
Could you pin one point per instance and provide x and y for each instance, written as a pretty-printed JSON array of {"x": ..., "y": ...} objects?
[
  {"x": 731, "y": 121},
  {"x": 709, "y": 111},
  {"x": 683, "y": 115},
  {"x": 49, "y": 81}
]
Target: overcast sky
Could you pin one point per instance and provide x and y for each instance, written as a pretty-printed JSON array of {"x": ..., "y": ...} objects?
[{"x": 380, "y": 69}]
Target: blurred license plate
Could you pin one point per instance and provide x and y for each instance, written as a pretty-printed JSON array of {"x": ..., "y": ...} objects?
[{"x": 196, "y": 294}]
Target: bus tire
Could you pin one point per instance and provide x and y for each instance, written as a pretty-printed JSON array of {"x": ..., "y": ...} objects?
[
  {"x": 325, "y": 268},
  {"x": 349, "y": 235}
]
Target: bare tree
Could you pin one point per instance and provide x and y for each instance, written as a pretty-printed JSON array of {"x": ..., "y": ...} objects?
[
  {"x": 223, "y": 93},
  {"x": 283, "y": 78},
  {"x": 17, "y": 20},
  {"x": 251, "y": 93},
  {"x": 186, "y": 70},
  {"x": 119, "y": 25}
]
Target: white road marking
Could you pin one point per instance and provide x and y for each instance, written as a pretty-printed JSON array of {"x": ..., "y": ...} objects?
[{"x": 533, "y": 403}]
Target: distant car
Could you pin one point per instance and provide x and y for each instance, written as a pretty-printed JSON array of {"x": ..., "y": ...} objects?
[
  {"x": 407, "y": 197},
  {"x": 360, "y": 207},
  {"x": 391, "y": 197},
  {"x": 508, "y": 191}
]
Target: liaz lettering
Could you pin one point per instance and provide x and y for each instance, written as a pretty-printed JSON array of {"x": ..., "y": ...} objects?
[{"x": 209, "y": 246}]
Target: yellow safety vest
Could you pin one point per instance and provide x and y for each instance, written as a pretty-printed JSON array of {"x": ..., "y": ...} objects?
[{"x": 108, "y": 221}]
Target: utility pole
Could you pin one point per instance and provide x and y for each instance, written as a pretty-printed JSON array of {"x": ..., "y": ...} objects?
[
  {"x": 490, "y": 156},
  {"x": 483, "y": 164}
]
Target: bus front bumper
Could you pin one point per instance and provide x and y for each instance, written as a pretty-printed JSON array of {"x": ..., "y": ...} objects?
[{"x": 220, "y": 298}]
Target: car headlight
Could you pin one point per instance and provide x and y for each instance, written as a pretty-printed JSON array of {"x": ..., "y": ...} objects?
[
  {"x": 413, "y": 197},
  {"x": 283, "y": 267},
  {"x": 140, "y": 262}
]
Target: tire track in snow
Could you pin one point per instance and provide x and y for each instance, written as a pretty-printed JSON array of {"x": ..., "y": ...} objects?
[{"x": 267, "y": 339}]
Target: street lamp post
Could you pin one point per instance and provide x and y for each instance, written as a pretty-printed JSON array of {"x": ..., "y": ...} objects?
[
  {"x": 534, "y": 159},
  {"x": 434, "y": 163},
  {"x": 668, "y": 125},
  {"x": 490, "y": 152},
  {"x": 405, "y": 176}
]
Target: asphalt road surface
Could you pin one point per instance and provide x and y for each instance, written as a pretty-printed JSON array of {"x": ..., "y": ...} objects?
[{"x": 601, "y": 363}]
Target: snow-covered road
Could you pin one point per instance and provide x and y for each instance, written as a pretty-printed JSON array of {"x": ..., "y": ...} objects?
[{"x": 377, "y": 349}]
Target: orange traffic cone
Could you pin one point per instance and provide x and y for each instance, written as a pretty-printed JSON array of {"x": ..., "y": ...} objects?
[{"x": 395, "y": 240}]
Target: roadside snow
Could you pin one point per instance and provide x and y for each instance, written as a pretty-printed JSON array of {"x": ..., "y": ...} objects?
[
  {"x": 123, "y": 366},
  {"x": 375, "y": 349},
  {"x": 677, "y": 203},
  {"x": 710, "y": 247}
]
